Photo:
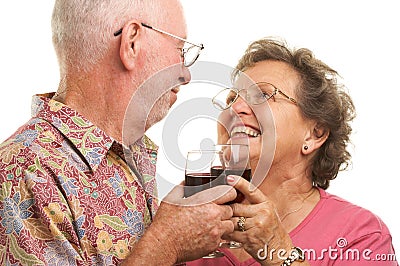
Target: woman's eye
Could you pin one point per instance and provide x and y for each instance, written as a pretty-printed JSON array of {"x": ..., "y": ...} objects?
[{"x": 230, "y": 99}]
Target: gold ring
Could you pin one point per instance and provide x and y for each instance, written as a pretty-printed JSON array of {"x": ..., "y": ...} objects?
[{"x": 241, "y": 222}]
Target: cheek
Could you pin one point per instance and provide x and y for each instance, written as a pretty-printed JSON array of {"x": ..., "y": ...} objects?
[
  {"x": 171, "y": 55},
  {"x": 289, "y": 135},
  {"x": 255, "y": 148},
  {"x": 223, "y": 135},
  {"x": 157, "y": 60},
  {"x": 224, "y": 122}
]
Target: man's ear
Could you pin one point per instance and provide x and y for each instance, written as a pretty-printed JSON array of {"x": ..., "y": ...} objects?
[
  {"x": 314, "y": 139},
  {"x": 130, "y": 44}
]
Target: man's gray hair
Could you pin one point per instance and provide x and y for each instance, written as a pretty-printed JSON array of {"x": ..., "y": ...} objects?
[{"x": 83, "y": 29}]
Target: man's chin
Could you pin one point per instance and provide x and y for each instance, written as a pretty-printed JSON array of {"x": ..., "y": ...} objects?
[{"x": 154, "y": 118}]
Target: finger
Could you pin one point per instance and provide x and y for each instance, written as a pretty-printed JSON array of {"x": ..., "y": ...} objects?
[
  {"x": 248, "y": 223},
  {"x": 247, "y": 210},
  {"x": 218, "y": 194},
  {"x": 236, "y": 236},
  {"x": 227, "y": 194},
  {"x": 227, "y": 227},
  {"x": 226, "y": 212},
  {"x": 251, "y": 193},
  {"x": 175, "y": 195}
]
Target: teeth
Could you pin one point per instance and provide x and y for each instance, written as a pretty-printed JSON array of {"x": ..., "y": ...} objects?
[{"x": 245, "y": 130}]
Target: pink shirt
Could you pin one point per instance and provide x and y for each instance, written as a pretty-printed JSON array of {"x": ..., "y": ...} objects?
[{"x": 336, "y": 232}]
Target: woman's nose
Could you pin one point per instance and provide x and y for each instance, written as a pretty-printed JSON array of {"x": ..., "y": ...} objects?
[{"x": 240, "y": 106}]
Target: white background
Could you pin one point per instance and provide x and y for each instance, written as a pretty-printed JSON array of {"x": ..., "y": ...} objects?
[{"x": 357, "y": 38}]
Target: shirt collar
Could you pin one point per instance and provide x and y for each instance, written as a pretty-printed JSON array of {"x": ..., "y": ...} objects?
[{"x": 89, "y": 140}]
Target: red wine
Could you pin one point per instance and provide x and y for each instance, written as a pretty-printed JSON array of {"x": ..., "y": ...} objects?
[
  {"x": 246, "y": 174},
  {"x": 196, "y": 182},
  {"x": 217, "y": 171}
]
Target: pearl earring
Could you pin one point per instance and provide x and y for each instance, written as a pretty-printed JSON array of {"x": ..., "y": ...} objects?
[{"x": 305, "y": 147}]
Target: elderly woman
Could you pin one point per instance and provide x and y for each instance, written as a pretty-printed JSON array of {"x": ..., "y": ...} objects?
[{"x": 288, "y": 103}]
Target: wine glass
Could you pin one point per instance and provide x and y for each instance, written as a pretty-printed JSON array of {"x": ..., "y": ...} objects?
[
  {"x": 236, "y": 163},
  {"x": 208, "y": 168}
]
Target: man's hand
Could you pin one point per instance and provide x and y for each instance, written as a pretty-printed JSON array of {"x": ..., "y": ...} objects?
[{"x": 185, "y": 229}]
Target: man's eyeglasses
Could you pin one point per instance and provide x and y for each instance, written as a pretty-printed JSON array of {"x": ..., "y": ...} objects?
[
  {"x": 189, "y": 54},
  {"x": 257, "y": 93}
]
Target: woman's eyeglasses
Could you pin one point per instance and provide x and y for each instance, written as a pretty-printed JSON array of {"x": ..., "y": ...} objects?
[{"x": 257, "y": 93}]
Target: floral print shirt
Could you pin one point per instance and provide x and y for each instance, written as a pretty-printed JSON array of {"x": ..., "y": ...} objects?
[{"x": 67, "y": 195}]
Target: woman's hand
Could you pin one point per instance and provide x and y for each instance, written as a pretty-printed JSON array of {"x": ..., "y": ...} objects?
[{"x": 264, "y": 237}]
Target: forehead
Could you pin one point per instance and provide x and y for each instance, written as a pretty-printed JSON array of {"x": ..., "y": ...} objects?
[
  {"x": 174, "y": 20},
  {"x": 280, "y": 74}
]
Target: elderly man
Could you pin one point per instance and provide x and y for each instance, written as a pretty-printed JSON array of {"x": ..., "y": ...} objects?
[{"x": 69, "y": 195}]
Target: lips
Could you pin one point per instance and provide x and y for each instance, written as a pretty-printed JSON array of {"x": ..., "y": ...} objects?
[
  {"x": 175, "y": 90},
  {"x": 238, "y": 131},
  {"x": 173, "y": 96}
]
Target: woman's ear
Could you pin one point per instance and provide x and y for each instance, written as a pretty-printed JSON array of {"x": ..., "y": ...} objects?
[
  {"x": 314, "y": 139},
  {"x": 130, "y": 44}
]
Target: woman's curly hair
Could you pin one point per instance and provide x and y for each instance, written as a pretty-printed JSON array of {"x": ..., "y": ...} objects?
[{"x": 319, "y": 97}]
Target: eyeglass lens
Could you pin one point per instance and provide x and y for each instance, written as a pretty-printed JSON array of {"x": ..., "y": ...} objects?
[
  {"x": 190, "y": 55},
  {"x": 255, "y": 94}
]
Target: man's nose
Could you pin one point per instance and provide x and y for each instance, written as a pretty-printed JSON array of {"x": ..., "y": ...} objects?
[{"x": 186, "y": 76}]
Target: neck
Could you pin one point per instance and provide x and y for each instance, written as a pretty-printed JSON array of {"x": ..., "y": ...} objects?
[
  {"x": 286, "y": 178},
  {"x": 96, "y": 98},
  {"x": 292, "y": 193}
]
